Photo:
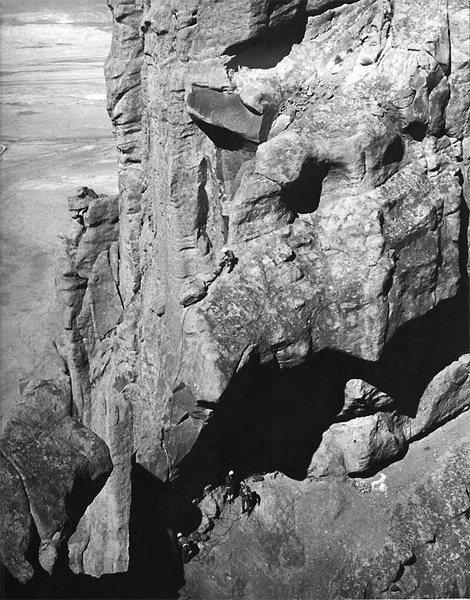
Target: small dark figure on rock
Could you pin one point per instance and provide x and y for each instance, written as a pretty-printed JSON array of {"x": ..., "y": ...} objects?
[
  {"x": 194, "y": 538},
  {"x": 230, "y": 486},
  {"x": 185, "y": 547},
  {"x": 250, "y": 499},
  {"x": 246, "y": 494},
  {"x": 228, "y": 260}
]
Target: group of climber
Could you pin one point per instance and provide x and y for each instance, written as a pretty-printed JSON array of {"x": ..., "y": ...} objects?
[
  {"x": 188, "y": 548},
  {"x": 233, "y": 488}
]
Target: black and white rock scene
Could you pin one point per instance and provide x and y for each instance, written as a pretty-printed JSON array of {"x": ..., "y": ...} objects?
[{"x": 263, "y": 368}]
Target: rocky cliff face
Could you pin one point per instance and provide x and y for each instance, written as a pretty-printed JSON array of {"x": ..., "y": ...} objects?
[
  {"x": 326, "y": 145},
  {"x": 52, "y": 467}
]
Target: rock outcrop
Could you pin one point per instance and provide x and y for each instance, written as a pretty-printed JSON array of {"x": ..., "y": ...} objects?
[
  {"x": 363, "y": 443},
  {"x": 447, "y": 395},
  {"x": 89, "y": 292},
  {"x": 52, "y": 468},
  {"x": 322, "y": 144},
  {"x": 326, "y": 145}
]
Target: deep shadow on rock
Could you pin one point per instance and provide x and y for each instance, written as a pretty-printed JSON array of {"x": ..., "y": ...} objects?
[
  {"x": 352, "y": 539},
  {"x": 155, "y": 569},
  {"x": 273, "y": 420},
  {"x": 303, "y": 195},
  {"x": 269, "y": 49},
  {"x": 419, "y": 350},
  {"x": 224, "y": 138}
]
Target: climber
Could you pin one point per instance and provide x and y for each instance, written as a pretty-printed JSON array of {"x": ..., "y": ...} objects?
[
  {"x": 185, "y": 547},
  {"x": 246, "y": 494},
  {"x": 230, "y": 486},
  {"x": 193, "y": 539},
  {"x": 228, "y": 259}
]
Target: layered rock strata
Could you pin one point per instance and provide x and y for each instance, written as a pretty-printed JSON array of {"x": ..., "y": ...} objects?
[{"x": 326, "y": 145}]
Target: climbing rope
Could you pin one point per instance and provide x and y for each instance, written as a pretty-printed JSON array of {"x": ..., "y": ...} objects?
[{"x": 219, "y": 538}]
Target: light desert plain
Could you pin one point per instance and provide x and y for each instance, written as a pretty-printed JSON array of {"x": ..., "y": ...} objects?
[{"x": 55, "y": 136}]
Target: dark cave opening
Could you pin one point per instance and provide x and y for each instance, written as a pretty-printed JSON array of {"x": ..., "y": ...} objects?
[
  {"x": 273, "y": 420},
  {"x": 303, "y": 195},
  {"x": 266, "y": 421},
  {"x": 419, "y": 350},
  {"x": 395, "y": 152},
  {"x": 267, "y": 50},
  {"x": 416, "y": 130}
]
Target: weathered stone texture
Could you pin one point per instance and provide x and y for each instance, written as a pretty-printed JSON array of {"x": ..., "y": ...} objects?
[
  {"x": 123, "y": 80},
  {"x": 15, "y": 523},
  {"x": 346, "y": 218},
  {"x": 361, "y": 398},
  {"x": 47, "y": 458},
  {"x": 377, "y": 210},
  {"x": 447, "y": 395},
  {"x": 87, "y": 279},
  {"x": 100, "y": 543},
  {"x": 402, "y": 534}
]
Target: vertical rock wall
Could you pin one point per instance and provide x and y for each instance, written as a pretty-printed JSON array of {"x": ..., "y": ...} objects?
[
  {"x": 101, "y": 372},
  {"x": 327, "y": 146}
]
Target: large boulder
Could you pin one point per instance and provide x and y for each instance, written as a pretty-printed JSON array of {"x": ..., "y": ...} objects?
[
  {"x": 224, "y": 110},
  {"x": 360, "y": 444},
  {"x": 361, "y": 398},
  {"x": 54, "y": 467},
  {"x": 366, "y": 436},
  {"x": 447, "y": 395}
]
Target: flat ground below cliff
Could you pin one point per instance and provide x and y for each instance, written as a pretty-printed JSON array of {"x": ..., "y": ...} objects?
[{"x": 55, "y": 136}]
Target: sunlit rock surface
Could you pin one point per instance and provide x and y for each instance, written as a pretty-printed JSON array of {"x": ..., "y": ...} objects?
[{"x": 326, "y": 145}]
